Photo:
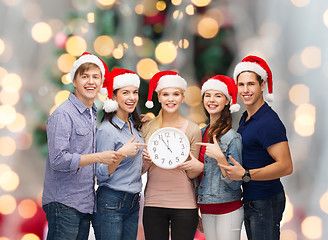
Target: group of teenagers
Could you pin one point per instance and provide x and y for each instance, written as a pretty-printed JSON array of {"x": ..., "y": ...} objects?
[{"x": 230, "y": 177}]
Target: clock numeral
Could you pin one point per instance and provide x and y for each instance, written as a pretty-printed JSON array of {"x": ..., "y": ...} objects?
[
  {"x": 170, "y": 162},
  {"x": 174, "y": 135},
  {"x": 180, "y": 139},
  {"x": 156, "y": 156},
  {"x": 154, "y": 149},
  {"x": 160, "y": 137},
  {"x": 167, "y": 134},
  {"x": 177, "y": 159},
  {"x": 182, "y": 154},
  {"x": 156, "y": 142},
  {"x": 163, "y": 160},
  {"x": 182, "y": 146}
]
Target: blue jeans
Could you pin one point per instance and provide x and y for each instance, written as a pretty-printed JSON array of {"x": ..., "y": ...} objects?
[
  {"x": 262, "y": 217},
  {"x": 66, "y": 223},
  {"x": 117, "y": 215}
]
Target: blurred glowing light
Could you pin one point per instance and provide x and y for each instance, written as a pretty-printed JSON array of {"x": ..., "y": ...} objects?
[
  {"x": 137, "y": 41},
  {"x": 65, "y": 62},
  {"x": 149, "y": 8},
  {"x": 150, "y": 114},
  {"x": 66, "y": 79},
  {"x": 215, "y": 14},
  {"x": 32, "y": 11},
  {"x": 9, "y": 181},
  {"x": 193, "y": 96},
  {"x": 300, "y": 3},
  {"x": 11, "y": 3},
  {"x": 7, "y": 204},
  {"x": 288, "y": 235},
  {"x": 60, "y": 40},
  {"x": 106, "y": 3},
  {"x": 61, "y": 97},
  {"x": 139, "y": 9},
  {"x": 11, "y": 82},
  {"x": 7, "y": 146},
  {"x": 325, "y": 18},
  {"x": 146, "y": 68},
  {"x": 183, "y": 43},
  {"x": 176, "y": 2},
  {"x": 294, "y": 64},
  {"x": 177, "y": 15},
  {"x": 201, "y": 3},
  {"x": 311, "y": 57},
  {"x": 41, "y": 32},
  {"x": 299, "y": 94},
  {"x": 305, "y": 118},
  {"x": 18, "y": 124},
  {"x": 324, "y": 202},
  {"x": 104, "y": 45},
  {"x": 312, "y": 227},
  {"x": 160, "y": 5},
  {"x": 4, "y": 238},
  {"x": 24, "y": 141},
  {"x": 10, "y": 98},
  {"x": 166, "y": 52},
  {"x": 201, "y": 125},
  {"x": 190, "y": 10},
  {"x": 2, "y": 46},
  {"x": 208, "y": 27},
  {"x": 118, "y": 52},
  {"x": 91, "y": 17},
  {"x": 76, "y": 45},
  {"x": 288, "y": 213},
  {"x": 30, "y": 236},
  {"x": 7, "y": 114},
  {"x": 3, "y": 72},
  {"x": 27, "y": 208}
]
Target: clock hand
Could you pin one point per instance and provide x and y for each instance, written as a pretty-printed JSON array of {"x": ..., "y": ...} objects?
[{"x": 166, "y": 145}]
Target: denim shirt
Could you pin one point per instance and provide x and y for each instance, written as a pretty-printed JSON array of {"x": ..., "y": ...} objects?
[
  {"x": 71, "y": 133},
  {"x": 214, "y": 188},
  {"x": 127, "y": 176}
]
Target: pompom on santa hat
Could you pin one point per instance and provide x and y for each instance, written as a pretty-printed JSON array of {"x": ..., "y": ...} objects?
[
  {"x": 227, "y": 86},
  {"x": 164, "y": 79},
  {"x": 117, "y": 78},
  {"x": 90, "y": 58},
  {"x": 259, "y": 66}
]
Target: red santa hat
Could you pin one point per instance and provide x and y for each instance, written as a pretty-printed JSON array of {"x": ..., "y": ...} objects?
[
  {"x": 117, "y": 78},
  {"x": 90, "y": 58},
  {"x": 259, "y": 66},
  {"x": 227, "y": 86},
  {"x": 164, "y": 79}
]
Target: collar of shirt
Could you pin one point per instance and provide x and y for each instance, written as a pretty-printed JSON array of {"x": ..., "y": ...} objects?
[
  {"x": 120, "y": 123},
  {"x": 265, "y": 107},
  {"x": 79, "y": 105}
]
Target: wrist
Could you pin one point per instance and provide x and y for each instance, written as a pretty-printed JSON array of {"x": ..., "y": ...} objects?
[{"x": 247, "y": 176}]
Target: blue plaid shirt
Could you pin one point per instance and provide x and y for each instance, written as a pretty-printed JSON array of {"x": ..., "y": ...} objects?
[{"x": 71, "y": 130}]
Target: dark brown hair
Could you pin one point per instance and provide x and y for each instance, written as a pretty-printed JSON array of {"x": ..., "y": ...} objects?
[
  {"x": 258, "y": 77},
  {"x": 85, "y": 67}
]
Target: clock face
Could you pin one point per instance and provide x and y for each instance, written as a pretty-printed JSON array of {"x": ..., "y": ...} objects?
[{"x": 168, "y": 147}]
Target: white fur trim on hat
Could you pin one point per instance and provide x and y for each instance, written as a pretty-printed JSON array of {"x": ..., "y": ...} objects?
[
  {"x": 250, "y": 66},
  {"x": 127, "y": 79},
  {"x": 173, "y": 81},
  {"x": 214, "y": 84},
  {"x": 110, "y": 105},
  {"x": 87, "y": 59}
]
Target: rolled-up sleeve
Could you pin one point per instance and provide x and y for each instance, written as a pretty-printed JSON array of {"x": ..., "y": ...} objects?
[{"x": 59, "y": 129}]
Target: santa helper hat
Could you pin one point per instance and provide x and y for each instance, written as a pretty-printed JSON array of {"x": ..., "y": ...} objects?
[
  {"x": 90, "y": 58},
  {"x": 164, "y": 79},
  {"x": 227, "y": 86},
  {"x": 117, "y": 78},
  {"x": 259, "y": 66}
]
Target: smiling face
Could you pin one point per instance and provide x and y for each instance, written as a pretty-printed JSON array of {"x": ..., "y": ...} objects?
[
  {"x": 127, "y": 99},
  {"x": 214, "y": 102},
  {"x": 250, "y": 90},
  {"x": 87, "y": 84},
  {"x": 171, "y": 99}
]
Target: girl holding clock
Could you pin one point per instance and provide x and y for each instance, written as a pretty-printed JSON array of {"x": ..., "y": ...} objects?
[
  {"x": 120, "y": 183},
  {"x": 219, "y": 198},
  {"x": 169, "y": 201}
]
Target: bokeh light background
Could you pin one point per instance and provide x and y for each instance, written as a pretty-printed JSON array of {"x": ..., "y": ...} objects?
[{"x": 291, "y": 34}]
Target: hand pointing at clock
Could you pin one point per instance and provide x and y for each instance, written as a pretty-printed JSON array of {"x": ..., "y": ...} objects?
[{"x": 130, "y": 148}]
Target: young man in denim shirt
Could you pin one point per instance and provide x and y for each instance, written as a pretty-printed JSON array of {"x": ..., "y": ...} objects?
[
  {"x": 266, "y": 155},
  {"x": 68, "y": 195}
]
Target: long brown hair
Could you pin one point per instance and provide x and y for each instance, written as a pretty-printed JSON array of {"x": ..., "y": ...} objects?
[{"x": 222, "y": 125}]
